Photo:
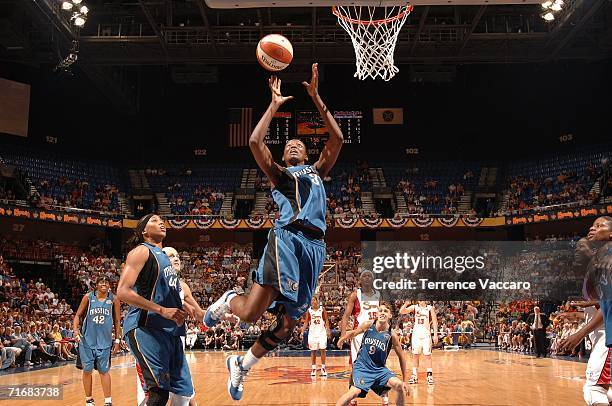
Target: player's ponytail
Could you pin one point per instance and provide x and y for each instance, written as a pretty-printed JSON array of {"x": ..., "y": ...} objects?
[{"x": 138, "y": 238}]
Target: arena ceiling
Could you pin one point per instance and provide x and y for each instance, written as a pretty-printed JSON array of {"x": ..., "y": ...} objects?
[{"x": 120, "y": 34}]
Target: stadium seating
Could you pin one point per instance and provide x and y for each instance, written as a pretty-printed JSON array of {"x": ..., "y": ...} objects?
[
  {"x": 61, "y": 181},
  {"x": 183, "y": 187},
  {"x": 419, "y": 186}
]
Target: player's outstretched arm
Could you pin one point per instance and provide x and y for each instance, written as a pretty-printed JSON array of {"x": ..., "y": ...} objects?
[
  {"x": 198, "y": 312},
  {"x": 434, "y": 323},
  {"x": 134, "y": 263},
  {"x": 572, "y": 341},
  {"x": 330, "y": 153},
  {"x": 397, "y": 347},
  {"x": 352, "y": 333},
  {"x": 326, "y": 321},
  {"x": 260, "y": 151},
  {"x": 347, "y": 313},
  {"x": 80, "y": 313},
  {"x": 117, "y": 324},
  {"x": 577, "y": 316},
  {"x": 406, "y": 308}
]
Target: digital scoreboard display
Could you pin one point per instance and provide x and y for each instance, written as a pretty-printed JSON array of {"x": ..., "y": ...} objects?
[
  {"x": 350, "y": 123},
  {"x": 311, "y": 128},
  {"x": 279, "y": 131}
]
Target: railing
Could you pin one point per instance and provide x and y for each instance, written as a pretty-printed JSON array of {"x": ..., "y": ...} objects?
[{"x": 222, "y": 35}]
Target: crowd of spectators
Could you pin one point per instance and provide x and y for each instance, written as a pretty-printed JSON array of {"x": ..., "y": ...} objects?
[
  {"x": 568, "y": 187},
  {"x": 203, "y": 200},
  {"x": 64, "y": 192},
  {"x": 6, "y": 193},
  {"x": 35, "y": 324},
  {"x": 36, "y": 321},
  {"x": 512, "y": 331},
  {"x": 348, "y": 199},
  {"x": 427, "y": 197}
]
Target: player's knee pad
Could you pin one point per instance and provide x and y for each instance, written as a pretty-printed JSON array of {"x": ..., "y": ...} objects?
[
  {"x": 269, "y": 341},
  {"x": 178, "y": 400},
  {"x": 595, "y": 395},
  {"x": 157, "y": 397}
]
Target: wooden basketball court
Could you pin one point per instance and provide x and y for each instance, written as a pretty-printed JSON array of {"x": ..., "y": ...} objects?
[{"x": 474, "y": 377}]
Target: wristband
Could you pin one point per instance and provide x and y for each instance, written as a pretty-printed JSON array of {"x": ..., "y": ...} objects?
[{"x": 117, "y": 341}]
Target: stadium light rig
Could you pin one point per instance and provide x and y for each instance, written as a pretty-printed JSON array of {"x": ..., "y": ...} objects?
[
  {"x": 78, "y": 11},
  {"x": 551, "y": 7}
]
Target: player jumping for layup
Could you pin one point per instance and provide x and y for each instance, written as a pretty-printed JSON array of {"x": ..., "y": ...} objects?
[
  {"x": 294, "y": 256},
  {"x": 424, "y": 319},
  {"x": 155, "y": 321},
  {"x": 100, "y": 311},
  {"x": 369, "y": 369}
]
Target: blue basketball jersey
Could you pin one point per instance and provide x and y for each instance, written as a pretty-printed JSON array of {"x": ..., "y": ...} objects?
[
  {"x": 375, "y": 348},
  {"x": 301, "y": 198},
  {"x": 97, "y": 329},
  {"x": 159, "y": 283}
]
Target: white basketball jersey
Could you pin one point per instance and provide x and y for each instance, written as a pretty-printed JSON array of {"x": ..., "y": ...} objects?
[
  {"x": 600, "y": 332},
  {"x": 317, "y": 324},
  {"x": 366, "y": 307},
  {"x": 422, "y": 325}
]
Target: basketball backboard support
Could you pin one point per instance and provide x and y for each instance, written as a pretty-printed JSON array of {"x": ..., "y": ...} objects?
[{"x": 228, "y": 4}]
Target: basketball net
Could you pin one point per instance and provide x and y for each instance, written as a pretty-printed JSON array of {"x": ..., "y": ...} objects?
[{"x": 373, "y": 39}]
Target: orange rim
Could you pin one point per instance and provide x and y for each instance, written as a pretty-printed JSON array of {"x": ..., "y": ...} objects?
[{"x": 407, "y": 10}]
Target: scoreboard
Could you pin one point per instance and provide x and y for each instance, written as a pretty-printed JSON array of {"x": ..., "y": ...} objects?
[
  {"x": 310, "y": 127},
  {"x": 350, "y": 124},
  {"x": 279, "y": 131}
]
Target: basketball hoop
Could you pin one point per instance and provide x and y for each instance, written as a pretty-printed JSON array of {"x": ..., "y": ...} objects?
[{"x": 374, "y": 37}]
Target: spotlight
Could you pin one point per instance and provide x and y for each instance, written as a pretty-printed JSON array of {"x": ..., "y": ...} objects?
[
  {"x": 548, "y": 16},
  {"x": 557, "y": 5},
  {"x": 79, "y": 21},
  {"x": 547, "y": 4},
  {"x": 84, "y": 10},
  {"x": 66, "y": 6}
]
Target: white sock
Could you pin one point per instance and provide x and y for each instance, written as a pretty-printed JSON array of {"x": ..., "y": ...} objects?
[
  {"x": 414, "y": 371},
  {"x": 249, "y": 360},
  {"x": 322, "y": 366},
  {"x": 429, "y": 370},
  {"x": 314, "y": 367},
  {"x": 88, "y": 398},
  {"x": 108, "y": 400}
]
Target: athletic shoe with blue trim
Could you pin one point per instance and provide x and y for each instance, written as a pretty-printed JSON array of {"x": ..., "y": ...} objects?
[
  {"x": 236, "y": 378},
  {"x": 218, "y": 309}
]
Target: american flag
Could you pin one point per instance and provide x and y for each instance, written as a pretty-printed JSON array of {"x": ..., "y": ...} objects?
[{"x": 240, "y": 126}]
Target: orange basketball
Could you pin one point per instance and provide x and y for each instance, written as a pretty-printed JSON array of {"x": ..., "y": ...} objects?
[{"x": 274, "y": 52}]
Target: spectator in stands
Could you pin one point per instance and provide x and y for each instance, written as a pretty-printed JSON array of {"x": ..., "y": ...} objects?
[{"x": 192, "y": 336}]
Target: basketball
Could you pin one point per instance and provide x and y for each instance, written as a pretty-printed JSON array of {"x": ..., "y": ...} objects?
[{"x": 274, "y": 52}]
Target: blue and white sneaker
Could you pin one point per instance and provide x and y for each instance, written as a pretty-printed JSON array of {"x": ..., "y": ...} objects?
[
  {"x": 236, "y": 378},
  {"x": 218, "y": 309}
]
